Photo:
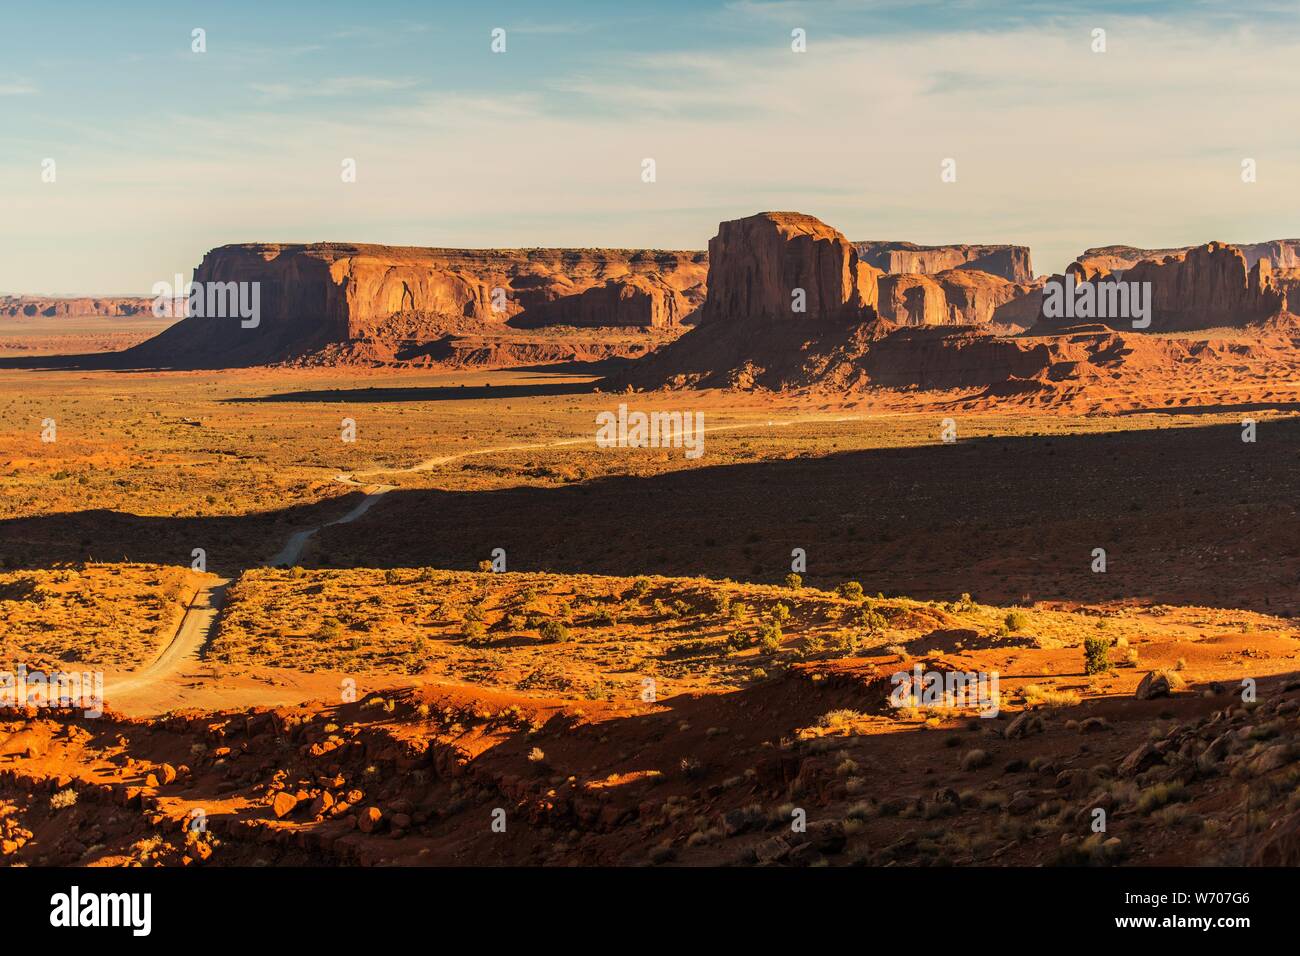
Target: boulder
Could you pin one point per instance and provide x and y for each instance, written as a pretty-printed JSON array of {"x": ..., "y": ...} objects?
[
  {"x": 283, "y": 804},
  {"x": 1161, "y": 683}
]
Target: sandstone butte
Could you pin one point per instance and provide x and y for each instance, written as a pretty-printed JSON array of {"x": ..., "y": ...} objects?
[
  {"x": 856, "y": 330},
  {"x": 326, "y": 303},
  {"x": 400, "y": 300},
  {"x": 1201, "y": 287}
]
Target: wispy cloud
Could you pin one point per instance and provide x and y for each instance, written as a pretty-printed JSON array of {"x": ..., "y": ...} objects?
[
  {"x": 333, "y": 87},
  {"x": 17, "y": 88},
  {"x": 1056, "y": 146}
]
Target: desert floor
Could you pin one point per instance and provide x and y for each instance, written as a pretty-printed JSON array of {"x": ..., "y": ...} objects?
[{"x": 339, "y": 681}]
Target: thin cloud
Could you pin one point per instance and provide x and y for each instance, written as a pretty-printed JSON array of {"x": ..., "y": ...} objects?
[{"x": 337, "y": 86}]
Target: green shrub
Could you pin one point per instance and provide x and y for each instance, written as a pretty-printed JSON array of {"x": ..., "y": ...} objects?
[
  {"x": 1096, "y": 655},
  {"x": 1016, "y": 621},
  {"x": 851, "y": 590},
  {"x": 793, "y": 580},
  {"x": 553, "y": 632}
]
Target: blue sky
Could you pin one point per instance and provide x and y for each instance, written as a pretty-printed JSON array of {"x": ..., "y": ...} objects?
[{"x": 161, "y": 153}]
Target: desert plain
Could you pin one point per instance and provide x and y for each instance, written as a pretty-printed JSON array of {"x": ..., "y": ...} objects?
[{"x": 387, "y": 601}]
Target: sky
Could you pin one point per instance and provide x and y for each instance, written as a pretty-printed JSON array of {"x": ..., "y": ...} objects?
[{"x": 161, "y": 153}]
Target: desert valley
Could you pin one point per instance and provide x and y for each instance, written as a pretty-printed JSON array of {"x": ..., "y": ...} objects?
[{"x": 363, "y": 584}]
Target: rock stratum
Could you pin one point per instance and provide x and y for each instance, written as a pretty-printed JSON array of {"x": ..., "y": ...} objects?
[{"x": 339, "y": 302}]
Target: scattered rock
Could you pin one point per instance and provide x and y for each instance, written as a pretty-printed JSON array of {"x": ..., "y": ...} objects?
[{"x": 283, "y": 804}]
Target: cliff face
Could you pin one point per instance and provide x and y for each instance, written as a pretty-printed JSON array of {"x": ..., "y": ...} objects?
[
  {"x": 637, "y": 301},
  {"x": 23, "y": 306},
  {"x": 1204, "y": 287},
  {"x": 756, "y": 265},
  {"x": 324, "y": 294},
  {"x": 1010, "y": 262}
]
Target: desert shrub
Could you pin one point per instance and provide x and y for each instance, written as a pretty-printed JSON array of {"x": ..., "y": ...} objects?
[
  {"x": 1016, "y": 621},
  {"x": 63, "y": 799},
  {"x": 769, "y": 637},
  {"x": 974, "y": 759},
  {"x": 1096, "y": 655},
  {"x": 604, "y": 618},
  {"x": 780, "y": 613},
  {"x": 330, "y": 629},
  {"x": 739, "y": 611},
  {"x": 641, "y": 587},
  {"x": 553, "y": 632},
  {"x": 473, "y": 631},
  {"x": 793, "y": 580},
  {"x": 850, "y": 590},
  {"x": 871, "y": 621},
  {"x": 839, "y": 718}
]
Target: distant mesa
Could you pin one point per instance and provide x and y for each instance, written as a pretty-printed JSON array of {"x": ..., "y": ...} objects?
[
  {"x": 780, "y": 300},
  {"x": 1282, "y": 253},
  {"x": 958, "y": 328},
  {"x": 24, "y": 306},
  {"x": 339, "y": 303},
  {"x": 1215, "y": 285},
  {"x": 1012, "y": 263}
]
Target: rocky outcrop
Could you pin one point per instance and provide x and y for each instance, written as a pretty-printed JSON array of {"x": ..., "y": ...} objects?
[
  {"x": 1010, "y": 262},
  {"x": 785, "y": 266},
  {"x": 390, "y": 299},
  {"x": 23, "y": 306},
  {"x": 1205, "y": 287},
  {"x": 956, "y": 297}
]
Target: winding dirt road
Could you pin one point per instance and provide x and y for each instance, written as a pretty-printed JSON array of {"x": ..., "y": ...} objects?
[{"x": 137, "y": 692}]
